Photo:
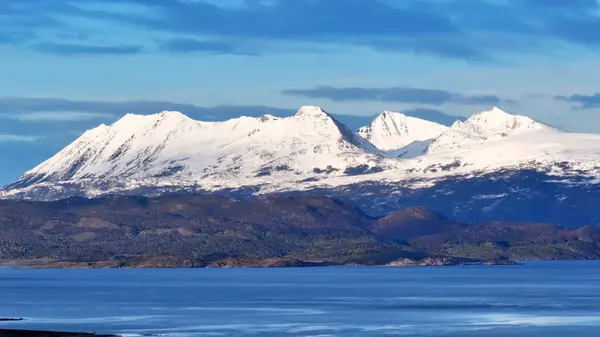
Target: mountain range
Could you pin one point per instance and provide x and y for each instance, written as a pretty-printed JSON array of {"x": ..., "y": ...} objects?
[
  {"x": 266, "y": 231},
  {"x": 491, "y": 166}
]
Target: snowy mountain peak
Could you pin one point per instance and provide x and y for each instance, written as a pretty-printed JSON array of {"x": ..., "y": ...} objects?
[
  {"x": 131, "y": 119},
  {"x": 134, "y": 120},
  {"x": 497, "y": 121},
  {"x": 172, "y": 115},
  {"x": 496, "y": 110},
  {"x": 484, "y": 126},
  {"x": 389, "y": 114},
  {"x": 496, "y": 114},
  {"x": 314, "y": 122},
  {"x": 393, "y": 130},
  {"x": 168, "y": 148},
  {"x": 311, "y": 111},
  {"x": 268, "y": 118}
]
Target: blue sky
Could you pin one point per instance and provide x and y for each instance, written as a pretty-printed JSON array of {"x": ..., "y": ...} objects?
[{"x": 69, "y": 65}]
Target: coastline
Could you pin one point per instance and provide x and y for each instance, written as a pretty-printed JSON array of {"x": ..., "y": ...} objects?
[
  {"x": 46, "y": 333},
  {"x": 249, "y": 263}
]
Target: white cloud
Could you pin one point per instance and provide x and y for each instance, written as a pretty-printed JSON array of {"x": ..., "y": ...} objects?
[
  {"x": 18, "y": 138},
  {"x": 67, "y": 116}
]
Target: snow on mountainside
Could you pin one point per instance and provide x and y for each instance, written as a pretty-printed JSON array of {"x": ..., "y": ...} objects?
[
  {"x": 482, "y": 127},
  {"x": 170, "y": 152},
  {"x": 392, "y": 131},
  {"x": 170, "y": 148},
  {"x": 494, "y": 139}
]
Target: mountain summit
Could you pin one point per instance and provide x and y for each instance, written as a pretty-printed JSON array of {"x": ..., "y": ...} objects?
[
  {"x": 482, "y": 127},
  {"x": 394, "y": 130},
  {"x": 169, "y": 148}
]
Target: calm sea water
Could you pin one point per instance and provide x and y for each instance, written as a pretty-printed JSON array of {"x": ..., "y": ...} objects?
[{"x": 538, "y": 299}]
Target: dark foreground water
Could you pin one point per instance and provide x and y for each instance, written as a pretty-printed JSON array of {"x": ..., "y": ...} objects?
[{"x": 538, "y": 299}]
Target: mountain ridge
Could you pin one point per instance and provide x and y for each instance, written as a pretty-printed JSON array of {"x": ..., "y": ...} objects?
[
  {"x": 149, "y": 139},
  {"x": 483, "y": 126},
  {"x": 268, "y": 231},
  {"x": 312, "y": 152}
]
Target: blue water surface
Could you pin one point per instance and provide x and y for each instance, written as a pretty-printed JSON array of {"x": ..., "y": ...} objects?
[{"x": 549, "y": 299}]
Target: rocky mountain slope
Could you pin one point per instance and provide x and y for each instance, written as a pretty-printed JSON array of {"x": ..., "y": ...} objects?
[
  {"x": 197, "y": 231},
  {"x": 474, "y": 170}
]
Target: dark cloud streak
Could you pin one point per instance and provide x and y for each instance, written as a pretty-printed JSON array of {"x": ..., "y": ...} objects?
[
  {"x": 433, "y": 115},
  {"x": 74, "y": 49},
  {"x": 37, "y": 106},
  {"x": 28, "y": 105},
  {"x": 583, "y": 101},
  {"x": 185, "y": 45},
  {"x": 394, "y": 94}
]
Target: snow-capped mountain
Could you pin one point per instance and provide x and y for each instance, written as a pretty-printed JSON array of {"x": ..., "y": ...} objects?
[
  {"x": 393, "y": 132},
  {"x": 312, "y": 152},
  {"x": 483, "y": 127},
  {"x": 171, "y": 149},
  {"x": 495, "y": 140}
]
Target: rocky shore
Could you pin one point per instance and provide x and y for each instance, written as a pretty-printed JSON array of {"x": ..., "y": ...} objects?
[
  {"x": 500, "y": 262},
  {"x": 174, "y": 262},
  {"x": 429, "y": 261}
]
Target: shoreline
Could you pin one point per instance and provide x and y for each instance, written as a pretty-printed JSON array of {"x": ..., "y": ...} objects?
[
  {"x": 115, "y": 264},
  {"x": 47, "y": 333}
]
